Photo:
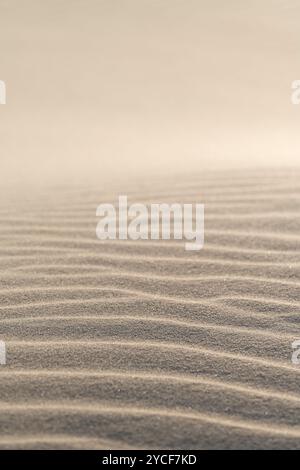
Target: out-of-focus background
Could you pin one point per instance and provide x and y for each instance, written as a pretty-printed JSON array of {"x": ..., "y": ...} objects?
[
  {"x": 140, "y": 344},
  {"x": 106, "y": 87}
]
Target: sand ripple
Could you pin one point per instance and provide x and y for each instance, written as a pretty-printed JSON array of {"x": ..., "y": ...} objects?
[{"x": 142, "y": 344}]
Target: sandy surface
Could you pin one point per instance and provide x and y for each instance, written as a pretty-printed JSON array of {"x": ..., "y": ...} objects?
[{"x": 144, "y": 345}]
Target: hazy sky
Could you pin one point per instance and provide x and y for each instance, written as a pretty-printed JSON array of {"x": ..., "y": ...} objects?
[{"x": 107, "y": 86}]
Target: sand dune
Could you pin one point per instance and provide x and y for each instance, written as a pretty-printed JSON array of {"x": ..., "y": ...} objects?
[{"x": 125, "y": 344}]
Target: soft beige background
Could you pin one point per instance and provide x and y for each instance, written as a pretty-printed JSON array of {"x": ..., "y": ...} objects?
[{"x": 106, "y": 86}]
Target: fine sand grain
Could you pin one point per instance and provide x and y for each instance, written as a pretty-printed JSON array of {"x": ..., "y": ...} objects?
[{"x": 126, "y": 344}]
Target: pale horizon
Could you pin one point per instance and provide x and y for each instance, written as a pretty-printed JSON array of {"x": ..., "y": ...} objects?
[{"x": 138, "y": 87}]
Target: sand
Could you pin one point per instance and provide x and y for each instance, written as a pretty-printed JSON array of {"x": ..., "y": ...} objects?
[{"x": 127, "y": 344}]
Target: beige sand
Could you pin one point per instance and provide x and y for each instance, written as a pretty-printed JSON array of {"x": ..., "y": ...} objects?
[{"x": 141, "y": 344}]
